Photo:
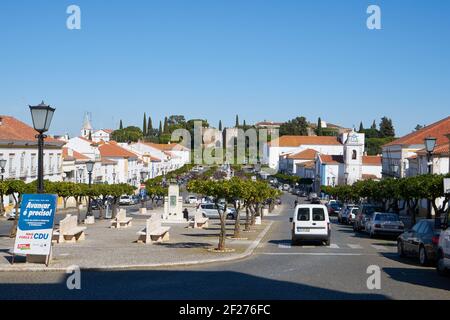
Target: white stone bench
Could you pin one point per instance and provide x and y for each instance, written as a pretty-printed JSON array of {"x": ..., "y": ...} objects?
[
  {"x": 199, "y": 221},
  {"x": 121, "y": 220},
  {"x": 153, "y": 232},
  {"x": 69, "y": 231}
]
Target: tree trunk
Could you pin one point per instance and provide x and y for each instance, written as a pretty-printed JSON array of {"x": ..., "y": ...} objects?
[
  {"x": 223, "y": 231},
  {"x": 247, "y": 219},
  {"x": 65, "y": 202},
  {"x": 78, "y": 203},
  {"x": 237, "y": 222},
  {"x": 114, "y": 208}
]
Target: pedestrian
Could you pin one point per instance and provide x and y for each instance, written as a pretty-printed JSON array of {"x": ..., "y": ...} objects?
[{"x": 186, "y": 214}]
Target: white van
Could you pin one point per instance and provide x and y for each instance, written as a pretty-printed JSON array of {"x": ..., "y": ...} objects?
[{"x": 311, "y": 222}]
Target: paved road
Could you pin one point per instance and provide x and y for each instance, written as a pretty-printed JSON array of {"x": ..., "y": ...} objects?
[{"x": 276, "y": 271}]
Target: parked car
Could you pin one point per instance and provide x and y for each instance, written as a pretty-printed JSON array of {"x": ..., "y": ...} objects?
[
  {"x": 363, "y": 215},
  {"x": 316, "y": 200},
  {"x": 387, "y": 224},
  {"x": 191, "y": 200},
  {"x": 421, "y": 242},
  {"x": 210, "y": 211},
  {"x": 343, "y": 214},
  {"x": 135, "y": 199},
  {"x": 286, "y": 187},
  {"x": 125, "y": 200},
  {"x": 334, "y": 207},
  {"x": 351, "y": 215},
  {"x": 311, "y": 195},
  {"x": 311, "y": 222},
  {"x": 443, "y": 251},
  {"x": 96, "y": 204}
]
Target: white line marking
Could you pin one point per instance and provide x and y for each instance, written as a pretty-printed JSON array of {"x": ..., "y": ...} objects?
[
  {"x": 284, "y": 246},
  {"x": 333, "y": 246},
  {"x": 311, "y": 254},
  {"x": 378, "y": 247},
  {"x": 309, "y": 247},
  {"x": 355, "y": 246}
]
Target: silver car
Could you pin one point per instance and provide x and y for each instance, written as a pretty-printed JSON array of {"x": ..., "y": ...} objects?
[
  {"x": 210, "y": 211},
  {"x": 387, "y": 224}
]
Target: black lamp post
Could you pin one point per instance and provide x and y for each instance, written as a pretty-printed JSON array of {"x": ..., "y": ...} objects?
[
  {"x": 41, "y": 115},
  {"x": 430, "y": 143},
  {"x": 90, "y": 168},
  {"x": 142, "y": 194},
  {"x": 2, "y": 171}
]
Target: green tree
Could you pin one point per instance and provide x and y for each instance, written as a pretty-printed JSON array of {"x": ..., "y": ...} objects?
[
  {"x": 374, "y": 125},
  {"x": 166, "y": 126},
  {"x": 120, "y": 125},
  {"x": 386, "y": 128},
  {"x": 220, "y": 125},
  {"x": 297, "y": 126},
  {"x": 361, "y": 127},
  {"x": 127, "y": 134},
  {"x": 144, "y": 125},
  {"x": 319, "y": 127},
  {"x": 237, "y": 121},
  {"x": 160, "y": 131},
  {"x": 149, "y": 126}
]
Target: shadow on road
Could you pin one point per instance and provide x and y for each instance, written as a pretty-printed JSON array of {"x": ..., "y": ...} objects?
[
  {"x": 420, "y": 276},
  {"x": 174, "y": 285}
]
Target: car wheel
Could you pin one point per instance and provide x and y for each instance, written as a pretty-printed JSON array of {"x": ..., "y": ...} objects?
[
  {"x": 440, "y": 265},
  {"x": 328, "y": 242},
  {"x": 400, "y": 250},
  {"x": 423, "y": 259}
]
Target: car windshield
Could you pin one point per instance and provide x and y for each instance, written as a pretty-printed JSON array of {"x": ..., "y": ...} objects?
[
  {"x": 386, "y": 217},
  {"x": 370, "y": 209}
]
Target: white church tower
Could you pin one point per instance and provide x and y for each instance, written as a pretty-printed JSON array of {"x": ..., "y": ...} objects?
[
  {"x": 353, "y": 155},
  {"x": 87, "y": 129}
]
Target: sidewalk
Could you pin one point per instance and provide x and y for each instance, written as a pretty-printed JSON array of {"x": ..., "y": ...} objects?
[{"x": 106, "y": 248}]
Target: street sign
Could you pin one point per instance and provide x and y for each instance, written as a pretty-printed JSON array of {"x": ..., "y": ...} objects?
[
  {"x": 447, "y": 186},
  {"x": 35, "y": 227}
]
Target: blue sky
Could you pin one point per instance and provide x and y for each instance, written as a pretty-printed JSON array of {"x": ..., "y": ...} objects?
[{"x": 263, "y": 60}]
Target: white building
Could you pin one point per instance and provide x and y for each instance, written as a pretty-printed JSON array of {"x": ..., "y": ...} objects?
[
  {"x": 102, "y": 135},
  {"x": 286, "y": 145},
  {"x": 18, "y": 146}
]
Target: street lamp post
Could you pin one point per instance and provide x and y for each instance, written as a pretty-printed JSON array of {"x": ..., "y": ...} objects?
[
  {"x": 90, "y": 168},
  {"x": 2, "y": 171},
  {"x": 41, "y": 115},
  {"x": 430, "y": 143},
  {"x": 142, "y": 194}
]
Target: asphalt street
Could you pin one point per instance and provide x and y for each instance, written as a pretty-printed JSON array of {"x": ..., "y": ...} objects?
[{"x": 276, "y": 270}]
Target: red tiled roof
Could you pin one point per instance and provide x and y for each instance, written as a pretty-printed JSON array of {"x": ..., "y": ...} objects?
[
  {"x": 371, "y": 160},
  {"x": 331, "y": 159},
  {"x": 295, "y": 141},
  {"x": 437, "y": 130},
  {"x": 12, "y": 129},
  {"x": 307, "y": 164},
  {"x": 308, "y": 154},
  {"x": 166, "y": 146},
  {"x": 369, "y": 177},
  {"x": 442, "y": 149},
  {"x": 114, "y": 150}
]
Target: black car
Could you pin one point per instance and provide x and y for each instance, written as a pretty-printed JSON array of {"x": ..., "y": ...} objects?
[
  {"x": 363, "y": 215},
  {"x": 96, "y": 203},
  {"x": 420, "y": 242}
]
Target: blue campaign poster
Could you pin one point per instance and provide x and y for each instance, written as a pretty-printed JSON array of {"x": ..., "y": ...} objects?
[{"x": 35, "y": 227}]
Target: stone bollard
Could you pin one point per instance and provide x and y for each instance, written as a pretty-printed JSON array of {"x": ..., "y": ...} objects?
[
  {"x": 143, "y": 210},
  {"x": 257, "y": 220},
  {"x": 89, "y": 220}
]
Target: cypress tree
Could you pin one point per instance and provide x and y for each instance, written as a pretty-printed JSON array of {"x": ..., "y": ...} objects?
[
  {"x": 144, "y": 125},
  {"x": 237, "y": 121},
  {"x": 220, "y": 125},
  {"x": 160, "y": 128},
  {"x": 361, "y": 128},
  {"x": 374, "y": 125},
  {"x": 149, "y": 127},
  {"x": 166, "y": 125},
  {"x": 120, "y": 125},
  {"x": 319, "y": 131}
]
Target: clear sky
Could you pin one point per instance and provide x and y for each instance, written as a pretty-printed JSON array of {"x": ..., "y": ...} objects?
[{"x": 261, "y": 59}]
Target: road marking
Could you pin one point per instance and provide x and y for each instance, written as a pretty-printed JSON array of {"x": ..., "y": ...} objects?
[
  {"x": 378, "y": 247},
  {"x": 309, "y": 247},
  {"x": 355, "y": 246},
  {"x": 311, "y": 254},
  {"x": 284, "y": 246},
  {"x": 333, "y": 246}
]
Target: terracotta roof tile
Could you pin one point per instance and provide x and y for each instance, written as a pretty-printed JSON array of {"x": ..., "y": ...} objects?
[
  {"x": 438, "y": 130},
  {"x": 371, "y": 160},
  {"x": 307, "y": 164},
  {"x": 114, "y": 150},
  {"x": 308, "y": 154},
  {"x": 167, "y": 146},
  {"x": 12, "y": 129},
  {"x": 331, "y": 159},
  {"x": 295, "y": 141},
  {"x": 442, "y": 149},
  {"x": 369, "y": 177}
]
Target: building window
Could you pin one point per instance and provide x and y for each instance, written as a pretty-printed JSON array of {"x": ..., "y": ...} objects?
[
  {"x": 22, "y": 162},
  {"x": 354, "y": 155},
  {"x": 10, "y": 164}
]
